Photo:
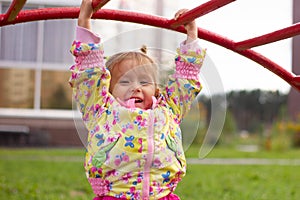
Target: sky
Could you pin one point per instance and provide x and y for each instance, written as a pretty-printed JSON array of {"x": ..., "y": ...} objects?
[{"x": 245, "y": 19}]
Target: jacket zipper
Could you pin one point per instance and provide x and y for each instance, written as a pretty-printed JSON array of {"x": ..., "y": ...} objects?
[{"x": 149, "y": 158}]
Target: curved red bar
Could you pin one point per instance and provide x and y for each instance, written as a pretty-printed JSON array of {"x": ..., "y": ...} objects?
[
  {"x": 281, "y": 34},
  {"x": 14, "y": 10},
  {"x": 156, "y": 21},
  {"x": 199, "y": 11}
]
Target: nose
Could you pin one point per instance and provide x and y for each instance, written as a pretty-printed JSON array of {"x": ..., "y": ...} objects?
[{"x": 136, "y": 87}]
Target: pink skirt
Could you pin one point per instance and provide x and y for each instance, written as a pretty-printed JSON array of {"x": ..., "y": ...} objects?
[{"x": 169, "y": 197}]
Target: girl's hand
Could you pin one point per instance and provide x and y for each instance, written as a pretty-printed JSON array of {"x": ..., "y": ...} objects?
[
  {"x": 190, "y": 27},
  {"x": 86, "y": 12}
]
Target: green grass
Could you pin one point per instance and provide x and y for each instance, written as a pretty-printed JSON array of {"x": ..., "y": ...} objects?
[
  {"x": 222, "y": 152},
  {"x": 232, "y": 182},
  {"x": 54, "y": 174},
  {"x": 29, "y": 179}
]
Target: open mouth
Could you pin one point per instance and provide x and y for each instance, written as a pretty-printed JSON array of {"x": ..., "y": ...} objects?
[{"x": 137, "y": 100}]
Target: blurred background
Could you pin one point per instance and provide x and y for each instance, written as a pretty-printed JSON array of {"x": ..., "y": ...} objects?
[
  {"x": 36, "y": 101},
  {"x": 256, "y": 156}
]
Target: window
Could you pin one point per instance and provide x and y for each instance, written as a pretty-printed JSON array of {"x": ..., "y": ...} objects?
[
  {"x": 34, "y": 62},
  {"x": 56, "y": 92},
  {"x": 17, "y": 88}
]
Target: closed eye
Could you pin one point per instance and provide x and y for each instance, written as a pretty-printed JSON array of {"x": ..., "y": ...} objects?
[
  {"x": 145, "y": 82},
  {"x": 124, "y": 82}
]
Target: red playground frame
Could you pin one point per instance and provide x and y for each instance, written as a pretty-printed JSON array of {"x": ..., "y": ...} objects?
[{"x": 15, "y": 15}]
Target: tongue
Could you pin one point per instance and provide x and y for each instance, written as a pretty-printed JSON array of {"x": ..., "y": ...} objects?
[{"x": 130, "y": 103}]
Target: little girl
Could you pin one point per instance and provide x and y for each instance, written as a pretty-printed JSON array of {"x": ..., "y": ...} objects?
[{"x": 134, "y": 148}]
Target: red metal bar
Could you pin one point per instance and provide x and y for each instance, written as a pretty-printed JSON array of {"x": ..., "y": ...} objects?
[
  {"x": 14, "y": 10},
  {"x": 199, "y": 11},
  {"x": 281, "y": 34},
  {"x": 97, "y": 4},
  {"x": 296, "y": 80},
  {"x": 156, "y": 21}
]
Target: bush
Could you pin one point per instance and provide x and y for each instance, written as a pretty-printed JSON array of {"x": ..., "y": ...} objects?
[{"x": 285, "y": 135}]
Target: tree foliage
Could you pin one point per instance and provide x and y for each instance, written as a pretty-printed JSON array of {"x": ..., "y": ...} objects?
[{"x": 252, "y": 109}]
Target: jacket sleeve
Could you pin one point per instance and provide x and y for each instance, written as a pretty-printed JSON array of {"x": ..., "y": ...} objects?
[
  {"x": 184, "y": 85},
  {"x": 89, "y": 77}
]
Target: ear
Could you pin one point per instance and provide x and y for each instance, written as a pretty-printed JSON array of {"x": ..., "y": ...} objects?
[{"x": 156, "y": 94}]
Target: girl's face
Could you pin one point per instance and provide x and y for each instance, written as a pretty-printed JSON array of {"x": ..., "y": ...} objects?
[{"x": 132, "y": 81}]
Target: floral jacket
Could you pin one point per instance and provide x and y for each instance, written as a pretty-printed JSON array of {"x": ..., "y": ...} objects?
[{"x": 133, "y": 153}]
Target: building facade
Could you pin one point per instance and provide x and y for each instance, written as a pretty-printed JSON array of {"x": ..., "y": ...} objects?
[
  {"x": 34, "y": 57},
  {"x": 294, "y": 95},
  {"x": 35, "y": 61}
]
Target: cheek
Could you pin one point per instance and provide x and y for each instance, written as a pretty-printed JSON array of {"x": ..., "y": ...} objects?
[
  {"x": 151, "y": 91},
  {"x": 119, "y": 91}
]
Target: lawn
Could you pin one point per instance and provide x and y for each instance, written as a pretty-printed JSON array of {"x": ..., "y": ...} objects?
[
  {"x": 224, "y": 152},
  {"x": 54, "y": 174}
]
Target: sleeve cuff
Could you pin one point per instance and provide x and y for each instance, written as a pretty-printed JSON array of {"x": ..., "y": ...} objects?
[
  {"x": 187, "y": 70},
  {"x": 86, "y": 36},
  {"x": 192, "y": 45}
]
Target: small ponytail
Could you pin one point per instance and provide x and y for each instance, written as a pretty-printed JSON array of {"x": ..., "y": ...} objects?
[{"x": 143, "y": 49}]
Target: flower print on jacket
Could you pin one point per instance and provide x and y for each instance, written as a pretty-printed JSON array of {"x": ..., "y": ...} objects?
[
  {"x": 126, "y": 177},
  {"x": 133, "y": 194},
  {"x": 128, "y": 141},
  {"x": 95, "y": 130},
  {"x": 140, "y": 141},
  {"x": 107, "y": 126},
  {"x": 140, "y": 121},
  {"x": 127, "y": 126},
  {"x": 116, "y": 117},
  {"x": 139, "y": 178},
  {"x": 121, "y": 158}
]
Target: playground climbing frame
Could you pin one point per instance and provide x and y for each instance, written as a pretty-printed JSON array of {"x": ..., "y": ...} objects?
[{"x": 15, "y": 15}]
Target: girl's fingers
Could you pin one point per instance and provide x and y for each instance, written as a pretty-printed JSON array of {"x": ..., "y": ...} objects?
[
  {"x": 179, "y": 13},
  {"x": 97, "y": 4}
]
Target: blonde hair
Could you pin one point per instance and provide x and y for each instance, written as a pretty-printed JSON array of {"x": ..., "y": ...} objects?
[{"x": 140, "y": 57}]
